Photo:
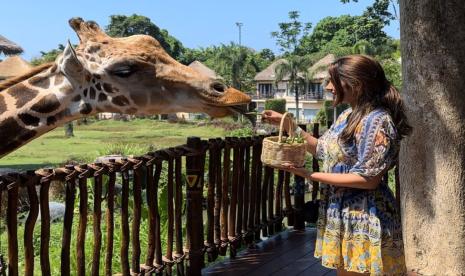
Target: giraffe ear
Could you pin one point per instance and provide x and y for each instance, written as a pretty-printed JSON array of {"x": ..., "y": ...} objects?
[{"x": 71, "y": 66}]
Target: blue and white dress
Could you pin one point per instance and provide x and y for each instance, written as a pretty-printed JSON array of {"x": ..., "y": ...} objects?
[{"x": 359, "y": 230}]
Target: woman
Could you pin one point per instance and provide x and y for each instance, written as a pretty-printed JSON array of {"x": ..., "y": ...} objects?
[{"x": 358, "y": 229}]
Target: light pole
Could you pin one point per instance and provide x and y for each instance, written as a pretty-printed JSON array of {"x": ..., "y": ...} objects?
[{"x": 239, "y": 25}]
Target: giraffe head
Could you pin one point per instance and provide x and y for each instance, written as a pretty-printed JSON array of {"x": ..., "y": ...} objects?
[{"x": 134, "y": 75}]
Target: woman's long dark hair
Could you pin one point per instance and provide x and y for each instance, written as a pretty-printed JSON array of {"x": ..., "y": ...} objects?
[{"x": 365, "y": 78}]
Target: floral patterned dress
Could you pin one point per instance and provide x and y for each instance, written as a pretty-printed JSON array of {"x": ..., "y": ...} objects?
[{"x": 359, "y": 230}]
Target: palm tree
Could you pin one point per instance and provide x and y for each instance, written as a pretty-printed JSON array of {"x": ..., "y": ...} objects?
[
  {"x": 293, "y": 68},
  {"x": 233, "y": 59}
]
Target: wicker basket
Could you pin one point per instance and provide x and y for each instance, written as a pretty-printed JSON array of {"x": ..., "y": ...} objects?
[{"x": 275, "y": 152}]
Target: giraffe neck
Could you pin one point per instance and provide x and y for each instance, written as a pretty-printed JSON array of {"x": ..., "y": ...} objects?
[{"x": 38, "y": 105}]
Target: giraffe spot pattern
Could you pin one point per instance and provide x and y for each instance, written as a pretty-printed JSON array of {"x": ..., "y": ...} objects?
[
  {"x": 3, "y": 106},
  {"x": 28, "y": 119},
  {"x": 22, "y": 94},
  {"x": 47, "y": 104},
  {"x": 92, "y": 93},
  {"x": 85, "y": 93},
  {"x": 96, "y": 76},
  {"x": 51, "y": 120},
  {"x": 40, "y": 81},
  {"x": 107, "y": 87},
  {"x": 59, "y": 79},
  {"x": 76, "y": 98},
  {"x": 66, "y": 89},
  {"x": 85, "y": 109},
  {"x": 13, "y": 135},
  {"x": 54, "y": 68},
  {"x": 102, "y": 97},
  {"x": 120, "y": 100},
  {"x": 98, "y": 86},
  {"x": 93, "y": 48}
]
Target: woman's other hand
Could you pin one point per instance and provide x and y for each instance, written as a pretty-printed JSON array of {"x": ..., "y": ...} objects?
[
  {"x": 303, "y": 172},
  {"x": 271, "y": 117},
  {"x": 274, "y": 118}
]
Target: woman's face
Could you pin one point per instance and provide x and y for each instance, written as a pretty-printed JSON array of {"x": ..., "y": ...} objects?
[
  {"x": 347, "y": 95},
  {"x": 330, "y": 88}
]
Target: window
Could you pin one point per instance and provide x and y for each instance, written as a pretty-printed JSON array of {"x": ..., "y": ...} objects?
[
  {"x": 265, "y": 89},
  {"x": 310, "y": 114}
]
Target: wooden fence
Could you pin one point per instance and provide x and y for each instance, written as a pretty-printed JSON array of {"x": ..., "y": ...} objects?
[{"x": 243, "y": 203}]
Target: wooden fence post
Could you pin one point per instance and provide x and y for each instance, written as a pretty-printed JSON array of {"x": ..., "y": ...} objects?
[
  {"x": 194, "y": 175},
  {"x": 299, "y": 198}
]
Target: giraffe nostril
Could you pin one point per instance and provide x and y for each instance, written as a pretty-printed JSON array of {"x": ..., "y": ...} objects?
[{"x": 218, "y": 87}]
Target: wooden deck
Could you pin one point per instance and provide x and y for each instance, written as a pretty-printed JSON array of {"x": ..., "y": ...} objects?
[{"x": 288, "y": 253}]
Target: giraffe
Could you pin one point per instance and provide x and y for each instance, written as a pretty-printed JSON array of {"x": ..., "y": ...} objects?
[{"x": 130, "y": 75}]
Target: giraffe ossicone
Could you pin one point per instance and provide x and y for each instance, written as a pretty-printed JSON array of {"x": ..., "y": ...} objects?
[{"x": 129, "y": 75}]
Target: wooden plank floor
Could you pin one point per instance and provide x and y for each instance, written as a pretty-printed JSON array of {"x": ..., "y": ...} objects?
[{"x": 288, "y": 253}]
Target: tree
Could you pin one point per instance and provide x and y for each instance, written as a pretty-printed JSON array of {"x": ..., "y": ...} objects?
[
  {"x": 122, "y": 26},
  {"x": 380, "y": 10},
  {"x": 432, "y": 172},
  {"x": 343, "y": 31},
  {"x": 49, "y": 56},
  {"x": 278, "y": 105},
  {"x": 290, "y": 33},
  {"x": 291, "y": 68}
]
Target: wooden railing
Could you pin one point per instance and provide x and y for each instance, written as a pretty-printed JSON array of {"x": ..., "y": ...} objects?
[{"x": 243, "y": 203}]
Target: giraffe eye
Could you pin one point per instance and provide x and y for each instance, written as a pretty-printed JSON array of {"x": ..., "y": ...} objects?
[{"x": 123, "y": 72}]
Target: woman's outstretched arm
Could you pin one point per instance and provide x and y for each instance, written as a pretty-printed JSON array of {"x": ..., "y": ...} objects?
[{"x": 349, "y": 180}]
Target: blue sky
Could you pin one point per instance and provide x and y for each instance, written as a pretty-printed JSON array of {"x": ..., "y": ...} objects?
[{"x": 42, "y": 25}]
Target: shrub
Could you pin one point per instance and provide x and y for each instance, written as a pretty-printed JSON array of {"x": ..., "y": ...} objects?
[
  {"x": 241, "y": 132},
  {"x": 278, "y": 105}
]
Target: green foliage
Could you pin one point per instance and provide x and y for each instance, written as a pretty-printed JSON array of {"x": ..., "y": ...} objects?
[
  {"x": 124, "y": 149},
  {"x": 291, "y": 68},
  {"x": 393, "y": 70},
  {"x": 236, "y": 65},
  {"x": 342, "y": 31},
  {"x": 122, "y": 26},
  {"x": 278, "y": 105},
  {"x": 321, "y": 117},
  {"x": 49, "y": 56},
  {"x": 241, "y": 132},
  {"x": 380, "y": 10},
  {"x": 290, "y": 33}
]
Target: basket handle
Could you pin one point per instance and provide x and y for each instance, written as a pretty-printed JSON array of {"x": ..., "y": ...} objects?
[{"x": 281, "y": 125}]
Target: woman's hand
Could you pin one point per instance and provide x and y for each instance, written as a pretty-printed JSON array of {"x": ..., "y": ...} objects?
[
  {"x": 274, "y": 118},
  {"x": 303, "y": 172}
]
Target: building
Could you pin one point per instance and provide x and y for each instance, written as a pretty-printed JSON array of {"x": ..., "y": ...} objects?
[
  {"x": 13, "y": 66},
  {"x": 8, "y": 47},
  {"x": 311, "y": 100}
]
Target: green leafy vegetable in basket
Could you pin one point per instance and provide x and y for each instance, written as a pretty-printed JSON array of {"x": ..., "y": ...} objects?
[{"x": 293, "y": 140}]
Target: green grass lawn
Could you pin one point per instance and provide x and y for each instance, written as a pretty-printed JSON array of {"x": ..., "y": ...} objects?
[{"x": 104, "y": 137}]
